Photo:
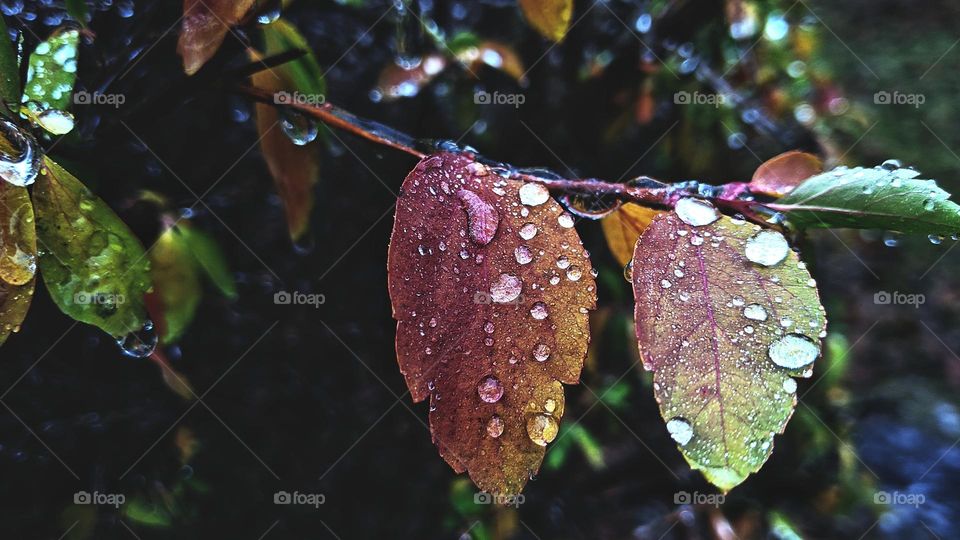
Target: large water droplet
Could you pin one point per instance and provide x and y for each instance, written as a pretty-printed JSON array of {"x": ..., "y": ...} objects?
[
  {"x": 680, "y": 430},
  {"x": 19, "y": 169},
  {"x": 490, "y": 389},
  {"x": 528, "y": 231},
  {"x": 767, "y": 248},
  {"x": 297, "y": 127},
  {"x": 56, "y": 122},
  {"x": 793, "y": 351},
  {"x": 506, "y": 289},
  {"x": 139, "y": 344},
  {"x": 533, "y": 194},
  {"x": 495, "y": 426},
  {"x": 542, "y": 429},
  {"x": 523, "y": 255},
  {"x": 541, "y": 352},
  {"x": 539, "y": 311},
  {"x": 755, "y": 312},
  {"x": 482, "y": 217},
  {"x": 696, "y": 212}
]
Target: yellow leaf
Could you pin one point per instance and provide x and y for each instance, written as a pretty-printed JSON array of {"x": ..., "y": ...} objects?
[
  {"x": 623, "y": 227},
  {"x": 205, "y": 24},
  {"x": 549, "y": 17}
]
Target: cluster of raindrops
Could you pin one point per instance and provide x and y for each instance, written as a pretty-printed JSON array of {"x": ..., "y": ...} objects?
[{"x": 53, "y": 13}]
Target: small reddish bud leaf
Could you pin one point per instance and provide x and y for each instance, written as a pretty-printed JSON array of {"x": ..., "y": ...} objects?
[
  {"x": 726, "y": 316},
  {"x": 491, "y": 298},
  {"x": 623, "y": 226},
  {"x": 204, "y": 25},
  {"x": 781, "y": 174}
]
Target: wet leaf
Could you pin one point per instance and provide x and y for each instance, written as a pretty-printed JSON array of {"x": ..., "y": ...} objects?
[
  {"x": 18, "y": 238},
  {"x": 303, "y": 74},
  {"x": 295, "y": 168},
  {"x": 209, "y": 256},
  {"x": 14, "y": 304},
  {"x": 623, "y": 226},
  {"x": 491, "y": 287},
  {"x": 173, "y": 272},
  {"x": 781, "y": 174},
  {"x": 885, "y": 197},
  {"x": 726, "y": 316},
  {"x": 549, "y": 17},
  {"x": 205, "y": 25},
  {"x": 93, "y": 266},
  {"x": 9, "y": 71},
  {"x": 52, "y": 72}
]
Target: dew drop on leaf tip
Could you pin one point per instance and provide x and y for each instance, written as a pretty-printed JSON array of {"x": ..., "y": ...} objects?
[{"x": 141, "y": 343}]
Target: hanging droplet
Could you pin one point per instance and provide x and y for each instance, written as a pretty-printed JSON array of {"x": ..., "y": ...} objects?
[
  {"x": 767, "y": 248},
  {"x": 696, "y": 212},
  {"x": 490, "y": 389},
  {"x": 19, "y": 169},
  {"x": 793, "y": 351},
  {"x": 680, "y": 430},
  {"x": 542, "y": 429},
  {"x": 628, "y": 272},
  {"x": 297, "y": 127},
  {"x": 139, "y": 344},
  {"x": 271, "y": 14}
]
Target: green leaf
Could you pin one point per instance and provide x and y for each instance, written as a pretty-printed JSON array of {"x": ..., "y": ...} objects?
[
  {"x": 304, "y": 73},
  {"x": 890, "y": 198},
  {"x": 18, "y": 238},
  {"x": 210, "y": 258},
  {"x": 150, "y": 515},
  {"x": 93, "y": 266},
  {"x": 14, "y": 304},
  {"x": 52, "y": 72},
  {"x": 78, "y": 10},
  {"x": 173, "y": 271},
  {"x": 9, "y": 70},
  {"x": 726, "y": 317}
]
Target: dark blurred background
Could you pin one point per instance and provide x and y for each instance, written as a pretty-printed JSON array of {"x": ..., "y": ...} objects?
[{"x": 310, "y": 400}]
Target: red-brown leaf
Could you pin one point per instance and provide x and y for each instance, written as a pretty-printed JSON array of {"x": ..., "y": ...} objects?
[
  {"x": 475, "y": 297},
  {"x": 726, "y": 316},
  {"x": 780, "y": 174},
  {"x": 205, "y": 24}
]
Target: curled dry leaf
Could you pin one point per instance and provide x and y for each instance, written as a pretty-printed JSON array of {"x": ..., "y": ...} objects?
[
  {"x": 623, "y": 226},
  {"x": 780, "y": 174},
  {"x": 491, "y": 288},
  {"x": 726, "y": 316},
  {"x": 549, "y": 17},
  {"x": 14, "y": 304},
  {"x": 18, "y": 237},
  {"x": 204, "y": 26}
]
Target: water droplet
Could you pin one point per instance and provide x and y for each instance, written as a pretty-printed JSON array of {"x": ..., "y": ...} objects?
[
  {"x": 891, "y": 164},
  {"x": 935, "y": 239},
  {"x": 488, "y": 327},
  {"x": 696, "y": 212},
  {"x": 495, "y": 426},
  {"x": 528, "y": 231},
  {"x": 755, "y": 312},
  {"x": 563, "y": 262},
  {"x": 539, "y": 311},
  {"x": 297, "y": 127},
  {"x": 550, "y": 405},
  {"x": 482, "y": 217},
  {"x": 533, "y": 194},
  {"x": 574, "y": 273},
  {"x": 523, "y": 255},
  {"x": 790, "y": 385},
  {"x": 929, "y": 205},
  {"x": 628, "y": 272},
  {"x": 55, "y": 121},
  {"x": 565, "y": 220},
  {"x": 490, "y": 389},
  {"x": 542, "y": 429},
  {"x": 270, "y": 15},
  {"x": 793, "y": 351},
  {"x": 541, "y": 352},
  {"x": 506, "y": 289},
  {"x": 20, "y": 169},
  {"x": 139, "y": 344},
  {"x": 767, "y": 248},
  {"x": 680, "y": 430}
]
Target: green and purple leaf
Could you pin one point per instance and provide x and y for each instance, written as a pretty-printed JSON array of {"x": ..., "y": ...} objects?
[
  {"x": 885, "y": 197},
  {"x": 18, "y": 237},
  {"x": 491, "y": 288},
  {"x": 726, "y": 316}
]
